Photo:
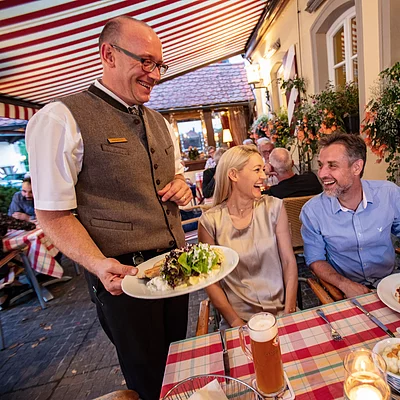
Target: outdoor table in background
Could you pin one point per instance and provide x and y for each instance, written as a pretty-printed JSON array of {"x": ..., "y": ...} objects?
[
  {"x": 40, "y": 250},
  {"x": 312, "y": 360}
]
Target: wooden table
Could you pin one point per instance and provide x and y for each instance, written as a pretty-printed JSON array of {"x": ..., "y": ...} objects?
[{"x": 312, "y": 360}]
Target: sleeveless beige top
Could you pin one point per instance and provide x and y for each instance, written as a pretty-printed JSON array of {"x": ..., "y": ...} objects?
[{"x": 256, "y": 284}]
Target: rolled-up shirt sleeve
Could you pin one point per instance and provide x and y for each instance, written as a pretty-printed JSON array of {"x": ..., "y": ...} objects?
[
  {"x": 55, "y": 149},
  {"x": 314, "y": 244}
]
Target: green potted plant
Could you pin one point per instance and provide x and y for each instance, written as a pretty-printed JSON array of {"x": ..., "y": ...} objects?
[
  {"x": 321, "y": 114},
  {"x": 340, "y": 106},
  {"x": 276, "y": 129},
  {"x": 6, "y": 194},
  {"x": 193, "y": 153},
  {"x": 260, "y": 127},
  {"x": 348, "y": 100},
  {"x": 381, "y": 124}
]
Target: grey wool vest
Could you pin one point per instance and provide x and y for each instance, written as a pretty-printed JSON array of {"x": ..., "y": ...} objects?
[{"x": 127, "y": 159}]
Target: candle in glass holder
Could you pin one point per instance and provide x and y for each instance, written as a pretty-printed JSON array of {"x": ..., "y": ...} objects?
[
  {"x": 365, "y": 392},
  {"x": 365, "y": 376}
]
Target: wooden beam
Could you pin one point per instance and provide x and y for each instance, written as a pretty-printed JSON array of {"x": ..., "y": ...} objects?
[{"x": 209, "y": 126}]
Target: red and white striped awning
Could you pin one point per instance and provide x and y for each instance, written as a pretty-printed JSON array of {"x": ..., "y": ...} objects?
[
  {"x": 50, "y": 47},
  {"x": 16, "y": 112}
]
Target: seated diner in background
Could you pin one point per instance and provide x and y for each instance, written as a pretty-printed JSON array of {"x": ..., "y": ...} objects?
[
  {"x": 257, "y": 228},
  {"x": 22, "y": 204},
  {"x": 210, "y": 163},
  {"x": 289, "y": 183},
  {"x": 347, "y": 228},
  {"x": 265, "y": 147},
  {"x": 248, "y": 142},
  {"x": 208, "y": 185}
]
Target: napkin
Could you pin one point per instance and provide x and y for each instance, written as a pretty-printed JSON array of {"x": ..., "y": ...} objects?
[{"x": 212, "y": 391}]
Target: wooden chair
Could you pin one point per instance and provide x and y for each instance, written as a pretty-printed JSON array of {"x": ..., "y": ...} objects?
[
  {"x": 203, "y": 319},
  {"x": 293, "y": 206},
  {"x": 325, "y": 292},
  {"x": 120, "y": 395}
]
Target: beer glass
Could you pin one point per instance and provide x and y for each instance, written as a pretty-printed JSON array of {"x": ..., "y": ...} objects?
[{"x": 265, "y": 352}]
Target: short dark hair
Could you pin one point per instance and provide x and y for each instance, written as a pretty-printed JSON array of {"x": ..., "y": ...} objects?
[
  {"x": 354, "y": 145},
  {"x": 27, "y": 180},
  {"x": 112, "y": 29}
]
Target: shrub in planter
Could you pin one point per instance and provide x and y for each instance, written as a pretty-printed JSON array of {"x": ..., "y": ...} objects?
[{"x": 6, "y": 194}]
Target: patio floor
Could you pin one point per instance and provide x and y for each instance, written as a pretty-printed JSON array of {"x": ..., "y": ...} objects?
[{"x": 61, "y": 353}]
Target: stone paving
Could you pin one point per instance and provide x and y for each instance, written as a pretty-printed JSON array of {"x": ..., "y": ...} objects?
[{"x": 61, "y": 353}]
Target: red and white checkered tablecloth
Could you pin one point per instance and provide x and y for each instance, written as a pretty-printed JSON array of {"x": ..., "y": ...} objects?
[
  {"x": 312, "y": 360},
  {"x": 40, "y": 250}
]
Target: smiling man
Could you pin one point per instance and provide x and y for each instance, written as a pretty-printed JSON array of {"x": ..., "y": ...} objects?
[
  {"x": 22, "y": 206},
  {"x": 117, "y": 163},
  {"x": 347, "y": 229}
]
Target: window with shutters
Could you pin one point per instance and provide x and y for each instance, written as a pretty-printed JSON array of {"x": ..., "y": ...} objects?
[{"x": 342, "y": 49}]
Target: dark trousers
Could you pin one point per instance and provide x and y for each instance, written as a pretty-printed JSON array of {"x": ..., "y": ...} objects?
[{"x": 141, "y": 331}]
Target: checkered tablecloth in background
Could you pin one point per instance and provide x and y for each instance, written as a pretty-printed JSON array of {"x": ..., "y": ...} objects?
[
  {"x": 312, "y": 360},
  {"x": 40, "y": 250}
]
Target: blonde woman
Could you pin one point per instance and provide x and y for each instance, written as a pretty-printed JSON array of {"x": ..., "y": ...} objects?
[{"x": 257, "y": 228}]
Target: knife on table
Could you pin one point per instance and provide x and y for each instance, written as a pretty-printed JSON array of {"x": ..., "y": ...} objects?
[
  {"x": 372, "y": 318},
  {"x": 225, "y": 355}
]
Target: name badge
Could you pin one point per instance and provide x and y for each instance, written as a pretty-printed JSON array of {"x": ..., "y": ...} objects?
[{"x": 117, "y": 140}]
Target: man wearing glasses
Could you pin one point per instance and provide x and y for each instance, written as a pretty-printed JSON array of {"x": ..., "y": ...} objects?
[{"x": 117, "y": 163}]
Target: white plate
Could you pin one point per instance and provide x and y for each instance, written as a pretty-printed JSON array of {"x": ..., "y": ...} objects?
[
  {"x": 135, "y": 287},
  {"x": 386, "y": 290},
  {"x": 393, "y": 379}
]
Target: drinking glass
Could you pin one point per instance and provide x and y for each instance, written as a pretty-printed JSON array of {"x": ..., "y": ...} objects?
[
  {"x": 365, "y": 376},
  {"x": 265, "y": 352}
]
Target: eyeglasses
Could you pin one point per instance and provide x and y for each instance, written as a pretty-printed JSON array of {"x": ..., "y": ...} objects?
[{"x": 147, "y": 65}]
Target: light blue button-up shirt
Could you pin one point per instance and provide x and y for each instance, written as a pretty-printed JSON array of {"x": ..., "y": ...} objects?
[{"x": 356, "y": 243}]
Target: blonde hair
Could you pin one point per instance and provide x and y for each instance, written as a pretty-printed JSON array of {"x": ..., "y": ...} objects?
[{"x": 235, "y": 158}]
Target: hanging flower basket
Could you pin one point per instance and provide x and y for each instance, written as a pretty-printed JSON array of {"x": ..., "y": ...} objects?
[{"x": 381, "y": 124}]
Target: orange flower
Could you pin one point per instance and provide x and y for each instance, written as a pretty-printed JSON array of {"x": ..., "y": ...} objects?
[{"x": 382, "y": 148}]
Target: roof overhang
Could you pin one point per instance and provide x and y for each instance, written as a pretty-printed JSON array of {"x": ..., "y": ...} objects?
[{"x": 50, "y": 49}]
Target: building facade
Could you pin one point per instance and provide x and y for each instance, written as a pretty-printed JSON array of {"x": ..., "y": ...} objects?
[{"x": 335, "y": 41}]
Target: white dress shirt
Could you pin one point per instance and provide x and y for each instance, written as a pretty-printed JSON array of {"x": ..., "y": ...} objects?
[{"x": 56, "y": 147}]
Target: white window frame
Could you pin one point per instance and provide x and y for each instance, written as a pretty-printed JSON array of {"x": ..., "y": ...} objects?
[
  {"x": 282, "y": 94},
  {"x": 343, "y": 21}
]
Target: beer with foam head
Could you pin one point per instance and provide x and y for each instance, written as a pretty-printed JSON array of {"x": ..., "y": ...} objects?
[{"x": 265, "y": 352}]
